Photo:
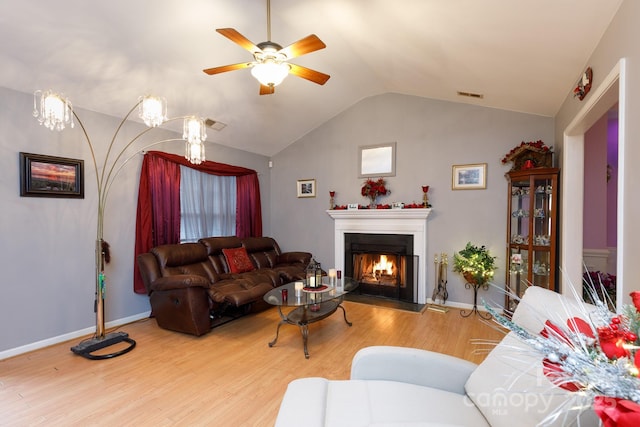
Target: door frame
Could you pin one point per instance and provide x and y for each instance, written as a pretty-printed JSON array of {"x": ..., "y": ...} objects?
[{"x": 611, "y": 91}]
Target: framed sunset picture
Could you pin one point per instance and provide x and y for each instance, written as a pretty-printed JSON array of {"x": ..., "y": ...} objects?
[{"x": 49, "y": 176}]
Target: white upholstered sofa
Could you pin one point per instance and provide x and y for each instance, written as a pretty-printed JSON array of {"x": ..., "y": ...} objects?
[{"x": 395, "y": 386}]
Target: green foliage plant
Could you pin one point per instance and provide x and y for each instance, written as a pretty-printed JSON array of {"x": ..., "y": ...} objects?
[{"x": 475, "y": 263}]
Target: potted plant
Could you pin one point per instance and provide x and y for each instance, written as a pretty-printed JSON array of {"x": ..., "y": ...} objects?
[{"x": 475, "y": 263}]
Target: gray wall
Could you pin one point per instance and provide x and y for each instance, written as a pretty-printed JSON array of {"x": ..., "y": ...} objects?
[
  {"x": 431, "y": 136},
  {"x": 47, "y": 250},
  {"x": 619, "y": 41}
]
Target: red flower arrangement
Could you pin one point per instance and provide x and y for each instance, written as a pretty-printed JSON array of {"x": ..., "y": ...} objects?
[
  {"x": 598, "y": 357},
  {"x": 537, "y": 146},
  {"x": 618, "y": 344},
  {"x": 372, "y": 189}
]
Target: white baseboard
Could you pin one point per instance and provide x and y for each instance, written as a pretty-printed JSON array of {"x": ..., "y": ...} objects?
[
  {"x": 453, "y": 304},
  {"x": 71, "y": 335}
]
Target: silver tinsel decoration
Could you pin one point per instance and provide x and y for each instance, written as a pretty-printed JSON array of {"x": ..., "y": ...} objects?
[{"x": 579, "y": 357}]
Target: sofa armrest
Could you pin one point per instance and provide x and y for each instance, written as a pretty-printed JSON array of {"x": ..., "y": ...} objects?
[
  {"x": 304, "y": 403},
  {"x": 412, "y": 365},
  {"x": 294, "y": 257},
  {"x": 179, "y": 281}
]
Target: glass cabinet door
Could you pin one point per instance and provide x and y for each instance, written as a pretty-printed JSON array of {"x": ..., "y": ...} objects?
[
  {"x": 518, "y": 273},
  {"x": 531, "y": 231},
  {"x": 520, "y": 210},
  {"x": 542, "y": 230}
]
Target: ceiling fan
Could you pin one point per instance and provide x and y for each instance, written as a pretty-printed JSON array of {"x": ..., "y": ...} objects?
[{"x": 270, "y": 65}]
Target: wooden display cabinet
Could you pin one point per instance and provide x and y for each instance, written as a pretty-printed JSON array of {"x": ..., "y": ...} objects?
[{"x": 531, "y": 231}]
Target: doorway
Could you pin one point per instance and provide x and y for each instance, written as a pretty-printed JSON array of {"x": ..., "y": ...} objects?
[
  {"x": 606, "y": 96},
  {"x": 600, "y": 202}
]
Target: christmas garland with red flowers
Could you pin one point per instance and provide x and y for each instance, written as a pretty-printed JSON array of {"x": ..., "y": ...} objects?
[
  {"x": 371, "y": 189},
  {"x": 537, "y": 146},
  {"x": 598, "y": 357}
]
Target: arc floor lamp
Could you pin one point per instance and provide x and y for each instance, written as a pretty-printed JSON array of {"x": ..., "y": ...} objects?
[{"x": 55, "y": 112}]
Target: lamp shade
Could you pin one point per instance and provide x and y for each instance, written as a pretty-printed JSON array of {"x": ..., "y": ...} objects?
[
  {"x": 194, "y": 129},
  {"x": 152, "y": 110},
  {"x": 194, "y": 133},
  {"x": 52, "y": 110},
  {"x": 270, "y": 72},
  {"x": 194, "y": 152}
]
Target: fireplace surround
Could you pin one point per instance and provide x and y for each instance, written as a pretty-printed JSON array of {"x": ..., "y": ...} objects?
[{"x": 411, "y": 222}]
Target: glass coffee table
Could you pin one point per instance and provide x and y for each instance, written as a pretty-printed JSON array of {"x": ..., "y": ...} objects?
[{"x": 310, "y": 305}]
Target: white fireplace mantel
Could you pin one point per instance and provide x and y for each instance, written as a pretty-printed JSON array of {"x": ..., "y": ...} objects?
[{"x": 385, "y": 221}]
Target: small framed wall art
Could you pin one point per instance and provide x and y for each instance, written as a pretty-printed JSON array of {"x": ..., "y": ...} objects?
[
  {"x": 48, "y": 176},
  {"x": 306, "y": 188},
  {"x": 469, "y": 177}
]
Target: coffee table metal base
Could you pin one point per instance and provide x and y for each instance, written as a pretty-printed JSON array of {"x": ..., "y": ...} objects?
[{"x": 304, "y": 315}]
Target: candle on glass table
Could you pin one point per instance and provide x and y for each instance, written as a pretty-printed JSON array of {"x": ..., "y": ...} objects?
[
  {"x": 332, "y": 276},
  {"x": 298, "y": 287},
  {"x": 312, "y": 282},
  {"x": 339, "y": 284}
]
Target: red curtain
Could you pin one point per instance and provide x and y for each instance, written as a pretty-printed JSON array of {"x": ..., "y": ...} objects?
[
  {"x": 248, "y": 207},
  {"x": 158, "y": 212}
]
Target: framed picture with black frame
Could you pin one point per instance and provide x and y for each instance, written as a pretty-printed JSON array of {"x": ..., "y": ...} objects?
[{"x": 49, "y": 176}]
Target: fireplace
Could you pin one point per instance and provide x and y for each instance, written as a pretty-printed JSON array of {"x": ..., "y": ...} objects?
[
  {"x": 411, "y": 222},
  {"x": 383, "y": 264}
]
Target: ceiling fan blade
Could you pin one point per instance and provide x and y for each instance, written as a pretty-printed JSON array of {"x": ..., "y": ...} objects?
[
  {"x": 239, "y": 39},
  {"x": 225, "y": 68},
  {"x": 309, "y": 74},
  {"x": 267, "y": 90},
  {"x": 303, "y": 46}
]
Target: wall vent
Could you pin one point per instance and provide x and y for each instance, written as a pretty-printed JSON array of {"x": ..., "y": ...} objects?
[
  {"x": 471, "y": 94},
  {"x": 214, "y": 124}
]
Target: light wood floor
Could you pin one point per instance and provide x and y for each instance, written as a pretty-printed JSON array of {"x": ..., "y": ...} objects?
[{"x": 229, "y": 377}]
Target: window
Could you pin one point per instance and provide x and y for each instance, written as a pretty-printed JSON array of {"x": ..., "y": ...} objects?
[{"x": 207, "y": 205}]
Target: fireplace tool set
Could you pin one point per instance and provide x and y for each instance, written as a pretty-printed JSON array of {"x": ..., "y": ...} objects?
[{"x": 440, "y": 286}]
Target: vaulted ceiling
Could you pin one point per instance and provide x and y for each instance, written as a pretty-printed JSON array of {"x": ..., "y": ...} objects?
[{"x": 521, "y": 55}]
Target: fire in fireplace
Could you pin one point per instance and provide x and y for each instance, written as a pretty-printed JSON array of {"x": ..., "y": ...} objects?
[
  {"x": 376, "y": 269},
  {"x": 383, "y": 264}
]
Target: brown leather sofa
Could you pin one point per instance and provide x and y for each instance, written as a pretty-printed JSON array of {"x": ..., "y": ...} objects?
[{"x": 190, "y": 285}]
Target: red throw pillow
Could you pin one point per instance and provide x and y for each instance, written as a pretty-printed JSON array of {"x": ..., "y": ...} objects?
[{"x": 238, "y": 260}]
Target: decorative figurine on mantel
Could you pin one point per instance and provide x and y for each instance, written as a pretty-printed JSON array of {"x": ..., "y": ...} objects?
[
  {"x": 425, "y": 199},
  {"x": 332, "y": 201},
  {"x": 529, "y": 155}
]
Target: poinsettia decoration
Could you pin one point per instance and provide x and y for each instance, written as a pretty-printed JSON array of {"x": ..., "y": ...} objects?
[
  {"x": 372, "y": 189},
  {"x": 537, "y": 146},
  {"x": 598, "y": 357}
]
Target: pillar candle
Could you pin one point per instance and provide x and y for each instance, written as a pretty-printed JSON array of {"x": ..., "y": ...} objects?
[
  {"x": 332, "y": 276},
  {"x": 298, "y": 287}
]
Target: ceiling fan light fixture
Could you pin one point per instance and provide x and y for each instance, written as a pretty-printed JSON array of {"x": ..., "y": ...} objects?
[{"x": 270, "y": 72}]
